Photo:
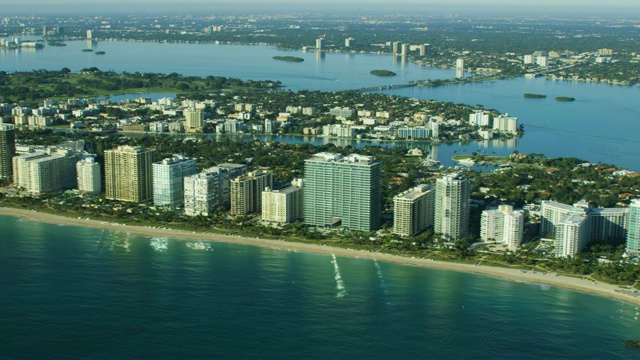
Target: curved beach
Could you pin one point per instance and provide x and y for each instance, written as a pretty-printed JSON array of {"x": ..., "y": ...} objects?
[{"x": 572, "y": 283}]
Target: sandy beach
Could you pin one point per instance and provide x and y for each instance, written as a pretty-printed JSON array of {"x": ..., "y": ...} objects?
[{"x": 577, "y": 284}]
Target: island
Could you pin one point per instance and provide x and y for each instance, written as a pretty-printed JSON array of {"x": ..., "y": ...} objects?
[
  {"x": 534, "y": 96},
  {"x": 56, "y": 43},
  {"x": 382, "y": 73},
  {"x": 87, "y": 50},
  {"x": 100, "y": 53},
  {"x": 288, "y": 58},
  {"x": 565, "y": 98}
]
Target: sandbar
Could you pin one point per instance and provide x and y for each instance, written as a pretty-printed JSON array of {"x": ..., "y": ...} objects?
[{"x": 567, "y": 282}]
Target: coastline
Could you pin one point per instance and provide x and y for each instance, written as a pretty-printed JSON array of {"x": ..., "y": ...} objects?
[{"x": 571, "y": 283}]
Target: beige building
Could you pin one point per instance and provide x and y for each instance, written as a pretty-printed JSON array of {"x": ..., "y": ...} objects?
[
  {"x": 502, "y": 225},
  {"x": 246, "y": 192},
  {"x": 194, "y": 120},
  {"x": 45, "y": 171},
  {"x": 282, "y": 206},
  {"x": 413, "y": 210},
  {"x": 128, "y": 174}
]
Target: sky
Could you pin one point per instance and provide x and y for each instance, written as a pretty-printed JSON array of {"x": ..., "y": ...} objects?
[{"x": 631, "y": 8}]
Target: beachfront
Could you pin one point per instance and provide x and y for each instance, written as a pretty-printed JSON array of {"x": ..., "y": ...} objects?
[{"x": 573, "y": 283}]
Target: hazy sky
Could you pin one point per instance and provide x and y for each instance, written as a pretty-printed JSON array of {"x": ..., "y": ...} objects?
[{"x": 253, "y": 6}]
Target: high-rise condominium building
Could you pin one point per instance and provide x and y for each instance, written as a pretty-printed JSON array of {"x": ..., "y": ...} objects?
[
  {"x": 201, "y": 194},
  {"x": 246, "y": 192},
  {"x": 319, "y": 43},
  {"x": 342, "y": 191},
  {"x": 572, "y": 235},
  {"x": 227, "y": 172},
  {"x": 452, "y": 207},
  {"x": 168, "y": 180},
  {"x": 413, "y": 210},
  {"x": 89, "y": 176},
  {"x": 41, "y": 172},
  {"x": 7, "y": 150},
  {"x": 194, "y": 120},
  {"x": 502, "y": 225},
  {"x": 128, "y": 174},
  {"x": 633, "y": 233},
  {"x": 282, "y": 206}
]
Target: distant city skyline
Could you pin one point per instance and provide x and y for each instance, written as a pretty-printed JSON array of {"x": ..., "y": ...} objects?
[{"x": 462, "y": 6}]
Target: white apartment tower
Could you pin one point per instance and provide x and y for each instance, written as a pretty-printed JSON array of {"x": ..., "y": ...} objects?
[
  {"x": 168, "y": 180},
  {"x": 633, "y": 233},
  {"x": 413, "y": 210},
  {"x": 452, "y": 207},
  {"x": 128, "y": 174},
  {"x": 502, "y": 225},
  {"x": 572, "y": 235},
  {"x": 201, "y": 195},
  {"x": 89, "y": 176}
]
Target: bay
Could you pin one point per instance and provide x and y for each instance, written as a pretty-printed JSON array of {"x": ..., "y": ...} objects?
[
  {"x": 600, "y": 126},
  {"x": 81, "y": 292}
]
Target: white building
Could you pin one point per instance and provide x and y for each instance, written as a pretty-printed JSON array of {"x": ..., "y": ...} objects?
[
  {"x": 502, "y": 225},
  {"x": 168, "y": 180},
  {"x": 201, "y": 193},
  {"x": 542, "y": 61},
  {"x": 194, "y": 120},
  {"x": 633, "y": 233},
  {"x": 479, "y": 118},
  {"x": 528, "y": 59},
  {"x": 89, "y": 176},
  {"x": 572, "y": 235},
  {"x": 505, "y": 123}
]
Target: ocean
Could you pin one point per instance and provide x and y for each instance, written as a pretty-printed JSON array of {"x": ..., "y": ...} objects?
[{"x": 74, "y": 292}]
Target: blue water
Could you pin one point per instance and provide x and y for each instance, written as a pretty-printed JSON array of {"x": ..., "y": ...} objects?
[
  {"x": 600, "y": 126},
  {"x": 80, "y": 292}
]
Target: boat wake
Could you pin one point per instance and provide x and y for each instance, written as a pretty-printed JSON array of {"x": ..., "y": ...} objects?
[
  {"x": 383, "y": 285},
  {"x": 342, "y": 291}
]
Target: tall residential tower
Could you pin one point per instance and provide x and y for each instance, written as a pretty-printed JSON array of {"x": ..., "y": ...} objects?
[
  {"x": 128, "y": 174},
  {"x": 452, "y": 207}
]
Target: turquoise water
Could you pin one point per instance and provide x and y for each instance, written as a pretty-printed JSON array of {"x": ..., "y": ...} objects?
[{"x": 80, "y": 292}]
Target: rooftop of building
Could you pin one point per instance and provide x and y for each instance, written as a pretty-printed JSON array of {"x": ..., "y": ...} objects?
[
  {"x": 414, "y": 193},
  {"x": 333, "y": 157},
  {"x": 572, "y": 219}
]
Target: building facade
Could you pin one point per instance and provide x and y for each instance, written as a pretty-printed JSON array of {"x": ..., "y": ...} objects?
[
  {"x": 413, "y": 210},
  {"x": 89, "y": 176},
  {"x": 502, "y": 225},
  {"x": 201, "y": 194},
  {"x": 282, "y": 206},
  {"x": 7, "y": 150},
  {"x": 246, "y": 192},
  {"x": 342, "y": 191},
  {"x": 452, "y": 207},
  {"x": 194, "y": 120},
  {"x": 633, "y": 233},
  {"x": 168, "y": 180},
  {"x": 128, "y": 174},
  {"x": 42, "y": 172}
]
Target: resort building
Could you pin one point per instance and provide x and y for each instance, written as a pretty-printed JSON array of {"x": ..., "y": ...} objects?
[
  {"x": 7, "y": 150},
  {"x": 168, "y": 180},
  {"x": 413, "y": 210},
  {"x": 89, "y": 176},
  {"x": 572, "y": 235},
  {"x": 342, "y": 191},
  {"x": 128, "y": 174},
  {"x": 452, "y": 207}
]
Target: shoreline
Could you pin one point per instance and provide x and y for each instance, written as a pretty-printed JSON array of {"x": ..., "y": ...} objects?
[{"x": 570, "y": 283}]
